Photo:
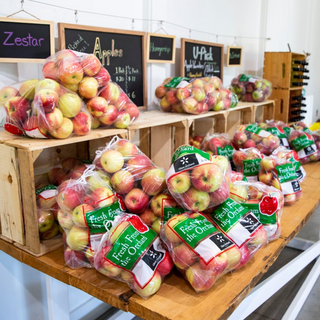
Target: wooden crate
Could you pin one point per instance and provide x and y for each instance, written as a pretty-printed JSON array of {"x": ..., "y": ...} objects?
[
  {"x": 160, "y": 133},
  {"x": 22, "y": 162},
  {"x": 264, "y": 110}
]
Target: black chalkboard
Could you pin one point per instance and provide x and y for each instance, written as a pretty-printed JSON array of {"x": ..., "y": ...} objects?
[
  {"x": 25, "y": 40},
  {"x": 161, "y": 48},
  {"x": 234, "y": 56},
  {"x": 201, "y": 59},
  {"x": 121, "y": 52}
]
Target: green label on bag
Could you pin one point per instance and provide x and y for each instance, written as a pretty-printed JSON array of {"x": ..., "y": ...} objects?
[
  {"x": 48, "y": 187},
  {"x": 100, "y": 221},
  {"x": 248, "y": 78},
  {"x": 168, "y": 213},
  {"x": 286, "y": 172},
  {"x": 227, "y": 214},
  {"x": 287, "y": 131},
  {"x": 295, "y": 163},
  {"x": 301, "y": 142},
  {"x": 182, "y": 150},
  {"x": 253, "y": 128},
  {"x": 175, "y": 82},
  {"x": 129, "y": 246},
  {"x": 307, "y": 130},
  {"x": 227, "y": 151},
  {"x": 276, "y": 132},
  {"x": 263, "y": 218},
  {"x": 251, "y": 167},
  {"x": 193, "y": 230}
]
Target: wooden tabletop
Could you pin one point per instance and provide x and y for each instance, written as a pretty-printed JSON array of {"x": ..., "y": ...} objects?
[{"x": 176, "y": 300}]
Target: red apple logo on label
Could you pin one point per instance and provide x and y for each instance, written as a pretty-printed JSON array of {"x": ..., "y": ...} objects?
[
  {"x": 138, "y": 224},
  {"x": 268, "y": 205},
  {"x": 11, "y": 128}
]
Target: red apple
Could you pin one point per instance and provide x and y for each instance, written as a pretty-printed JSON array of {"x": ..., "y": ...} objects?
[
  {"x": 28, "y": 88},
  {"x": 190, "y": 105},
  {"x": 88, "y": 87},
  {"x": 102, "y": 197},
  {"x": 122, "y": 181},
  {"x": 78, "y": 214},
  {"x": 151, "y": 288},
  {"x": 249, "y": 144},
  {"x": 161, "y": 92},
  {"x": 111, "y": 93},
  {"x": 103, "y": 77},
  {"x": 245, "y": 257},
  {"x": 199, "y": 279},
  {"x": 70, "y": 104},
  {"x": 77, "y": 238},
  {"x": 136, "y": 201},
  {"x": 91, "y": 65},
  {"x": 153, "y": 181},
  {"x": 148, "y": 217},
  {"x": 6, "y": 93},
  {"x": 126, "y": 148},
  {"x": 51, "y": 233},
  {"x": 69, "y": 197},
  {"x": 45, "y": 220},
  {"x": 133, "y": 111},
  {"x": 46, "y": 99},
  {"x": 195, "y": 200},
  {"x": 31, "y": 124},
  {"x": 184, "y": 257},
  {"x": 64, "y": 131},
  {"x": 17, "y": 108},
  {"x": 123, "y": 120},
  {"x": 234, "y": 257},
  {"x": 74, "y": 259},
  {"x": 50, "y": 71},
  {"x": 56, "y": 176},
  {"x": 217, "y": 265},
  {"x": 111, "y": 161},
  {"x": 207, "y": 177},
  {"x": 81, "y": 123},
  {"x": 138, "y": 165},
  {"x": 179, "y": 183},
  {"x": 69, "y": 164},
  {"x": 52, "y": 120},
  {"x": 171, "y": 97},
  {"x": 161, "y": 201},
  {"x": 70, "y": 71},
  {"x": 77, "y": 171},
  {"x": 166, "y": 265},
  {"x": 65, "y": 219},
  {"x": 165, "y": 105},
  {"x": 121, "y": 103},
  {"x": 110, "y": 115}
]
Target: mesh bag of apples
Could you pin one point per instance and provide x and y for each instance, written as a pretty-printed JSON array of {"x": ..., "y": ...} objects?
[
  {"x": 194, "y": 96},
  {"x": 87, "y": 207},
  {"x": 44, "y": 109},
  {"x": 83, "y": 73},
  {"x": 272, "y": 127},
  {"x": 133, "y": 253},
  {"x": 251, "y": 88}
]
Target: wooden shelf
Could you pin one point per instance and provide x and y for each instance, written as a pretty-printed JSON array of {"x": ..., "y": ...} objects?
[{"x": 176, "y": 300}]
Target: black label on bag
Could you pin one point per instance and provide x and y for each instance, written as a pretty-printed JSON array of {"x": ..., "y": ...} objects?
[
  {"x": 309, "y": 150},
  {"x": 185, "y": 162},
  {"x": 221, "y": 241},
  {"x": 153, "y": 257},
  {"x": 295, "y": 185},
  {"x": 249, "y": 222},
  {"x": 299, "y": 174}
]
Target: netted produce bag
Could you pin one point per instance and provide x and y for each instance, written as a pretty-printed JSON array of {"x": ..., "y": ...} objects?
[
  {"x": 83, "y": 73},
  {"x": 132, "y": 174},
  {"x": 199, "y": 250},
  {"x": 241, "y": 226},
  {"x": 194, "y": 181},
  {"x": 251, "y": 135},
  {"x": 132, "y": 253},
  {"x": 281, "y": 174},
  {"x": 87, "y": 208},
  {"x": 195, "y": 96},
  {"x": 251, "y": 88},
  {"x": 265, "y": 202}
]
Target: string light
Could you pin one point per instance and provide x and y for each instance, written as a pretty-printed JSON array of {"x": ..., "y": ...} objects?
[{"x": 149, "y": 20}]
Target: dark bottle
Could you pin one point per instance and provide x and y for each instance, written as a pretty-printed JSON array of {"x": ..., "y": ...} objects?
[
  {"x": 298, "y": 98},
  {"x": 295, "y": 119},
  {"x": 298, "y": 111},
  {"x": 303, "y": 62},
  {"x": 299, "y": 84},
  {"x": 301, "y": 77},
  {"x": 300, "y": 69}
]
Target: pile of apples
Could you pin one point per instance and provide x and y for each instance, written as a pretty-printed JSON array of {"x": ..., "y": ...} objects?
[
  {"x": 195, "y": 97},
  {"x": 251, "y": 135},
  {"x": 219, "y": 144},
  {"x": 303, "y": 143},
  {"x": 281, "y": 174},
  {"x": 250, "y": 88},
  {"x": 84, "y": 74},
  {"x": 132, "y": 174},
  {"x": 196, "y": 141},
  {"x": 272, "y": 127},
  {"x": 201, "y": 268},
  {"x": 114, "y": 260},
  {"x": 316, "y": 138}
]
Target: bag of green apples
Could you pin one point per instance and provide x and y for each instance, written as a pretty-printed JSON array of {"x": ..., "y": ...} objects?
[
  {"x": 265, "y": 202},
  {"x": 131, "y": 252},
  {"x": 241, "y": 226},
  {"x": 84, "y": 74},
  {"x": 292, "y": 156},
  {"x": 281, "y": 174},
  {"x": 87, "y": 207},
  {"x": 199, "y": 250},
  {"x": 194, "y": 181},
  {"x": 251, "y": 135},
  {"x": 303, "y": 143},
  {"x": 132, "y": 174},
  {"x": 45, "y": 109},
  {"x": 251, "y": 88},
  {"x": 247, "y": 161}
]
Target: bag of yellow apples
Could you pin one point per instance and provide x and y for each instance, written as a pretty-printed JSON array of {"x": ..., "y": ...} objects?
[
  {"x": 199, "y": 251},
  {"x": 83, "y": 73},
  {"x": 87, "y": 207},
  {"x": 44, "y": 109},
  {"x": 132, "y": 174},
  {"x": 265, "y": 202},
  {"x": 131, "y": 252}
]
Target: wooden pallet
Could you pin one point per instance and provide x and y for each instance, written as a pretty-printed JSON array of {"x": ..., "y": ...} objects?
[{"x": 22, "y": 162}]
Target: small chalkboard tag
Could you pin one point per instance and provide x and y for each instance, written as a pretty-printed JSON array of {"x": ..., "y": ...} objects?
[
  {"x": 234, "y": 56},
  {"x": 23, "y": 40},
  {"x": 161, "y": 48}
]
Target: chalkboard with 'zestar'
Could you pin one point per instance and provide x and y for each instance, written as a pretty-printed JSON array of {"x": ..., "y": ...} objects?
[
  {"x": 121, "y": 52},
  {"x": 23, "y": 40}
]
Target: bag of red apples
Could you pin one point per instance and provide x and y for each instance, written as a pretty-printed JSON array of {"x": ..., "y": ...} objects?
[
  {"x": 83, "y": 73},
  {"x": 132, "y": 253},
  {"x": 292, "y": 156},
  {"x": 281, "y": 174},
  {"x": 272, "y": 127},
  {"x": 132, "y": 174},
  {"x": 87, "y": 207},
  {"x": 316, "y": 138},
  {"x": 303, "y": 143},
  {"x": 194, "y": 181},
  {"x": 241, "y": 226},
  {"x": 251, "y": 135},
  {"x": 247, "y": 161},
  {"x": 200, "y": 252},
  {"x": 44, "y": 109},
  {"x": 265, "y": 202},
  {"x": 194, "y": 96}
]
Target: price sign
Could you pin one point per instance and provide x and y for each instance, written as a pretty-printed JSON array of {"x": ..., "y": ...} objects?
[
  {"x": 234, "y": 56},
  {"x": 161, "y": 48}
]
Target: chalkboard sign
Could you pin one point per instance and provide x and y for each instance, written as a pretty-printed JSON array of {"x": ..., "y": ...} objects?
[
  {"x": 201, "y": 59},
  {"x": 161, "y": 48},
  {"x": 121, "y": 52},
  {"x": 23, "y": 40},
  {"x": 234, "y": 56}
]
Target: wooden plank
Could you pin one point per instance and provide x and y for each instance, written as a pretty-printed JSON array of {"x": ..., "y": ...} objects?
[
  {"x": 248, "y": 115},
  {"x": 29, "y": 201},
  {"x": 281, "y": 102},
  {"x": 220, "y": 125},
  {"x": 11, "y": 217},
  {"x": 144, "y": 143},
  {"x": 234, "y": 119},
  {"x": 181, "y": 134}
]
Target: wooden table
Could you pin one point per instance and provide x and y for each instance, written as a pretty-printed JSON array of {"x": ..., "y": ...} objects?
[{"x": 176, "y": 299}]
